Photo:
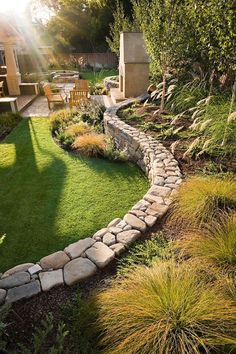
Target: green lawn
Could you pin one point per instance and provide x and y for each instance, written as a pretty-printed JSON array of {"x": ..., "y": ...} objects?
[
  {"x": 97, "y": 77},
  {"x": 50, "y": 198}
]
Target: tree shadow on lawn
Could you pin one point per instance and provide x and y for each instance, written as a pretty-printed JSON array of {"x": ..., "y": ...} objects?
[
  {"x": 50, "y": 198},
  {"x": 30, "y": 192}
]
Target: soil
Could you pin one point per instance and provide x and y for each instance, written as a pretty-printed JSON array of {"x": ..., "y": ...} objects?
[
  {"x": 25, "y": 316},
  {"x": 189, "y": 166}
]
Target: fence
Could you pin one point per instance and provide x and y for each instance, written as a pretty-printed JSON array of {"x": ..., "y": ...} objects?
[{"x": 43, "y": 62}]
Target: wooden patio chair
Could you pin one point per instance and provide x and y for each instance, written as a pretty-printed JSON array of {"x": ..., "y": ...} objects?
[
  {"x": 2, "y": 89},
  {"x": 53, "y": 97},
  {"x": 77, "y": 97},
  {"x": 81, "y": 84}
]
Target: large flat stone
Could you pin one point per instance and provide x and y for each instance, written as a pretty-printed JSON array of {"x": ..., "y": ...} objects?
[
  {"x": 128, "y": 237},
  {"x": 100, "y": 254},
  {"x": 23, "y": 291},
  {"x": 3, "y": 294},
  {"x": 135, "y": 222},
  {"x": 76, "y": 249},
  {"x": 78, "y": 269},
  {"x": 16, "y": 279},
  {"x": 49, "y": 280},
  {"x": 55, "y": 260},
  {"x": 150, "y": 220},
  {"x": 19, "y": 268},
  {"x": 114, "y": 222}
]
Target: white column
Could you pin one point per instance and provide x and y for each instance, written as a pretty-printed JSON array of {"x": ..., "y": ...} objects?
[{"x": 13, "y": 75}]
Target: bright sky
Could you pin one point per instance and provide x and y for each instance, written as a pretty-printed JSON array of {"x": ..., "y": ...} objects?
[
  {"x": 18, "y": 7},
  {"x": 13, "y": 5}
]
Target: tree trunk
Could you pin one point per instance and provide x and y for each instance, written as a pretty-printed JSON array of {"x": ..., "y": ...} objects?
[{"x": 162, "y": 104}]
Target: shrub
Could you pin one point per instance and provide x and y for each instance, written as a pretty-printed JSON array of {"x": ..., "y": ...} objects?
[
  {"x": 90, "y": 144},
  {"x": 201, "y": 199},
  {"x": 145, "y": 253},
  {"x": 8, "y": 121},
  {"x": 214, "y": 244},
  {"x": 165, "y": 309},
  {"x": 59, "y": 118},
  {"x": 80, "y": 318},
  {"x": 78, "y": 129}
]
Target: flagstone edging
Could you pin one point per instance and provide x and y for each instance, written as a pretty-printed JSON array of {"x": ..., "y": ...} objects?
[{"x": 82, "y": 259}]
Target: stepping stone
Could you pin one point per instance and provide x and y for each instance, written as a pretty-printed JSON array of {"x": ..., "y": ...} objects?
[
  {"x": 78, "y": 269},
  {"x": 128, "y": 237},
  {"x": 55, "y": 260},
  {"x": 50, "y": 279},
  {"x": 76, "y": 249},
  {"x": 100, "y": 254},
  {"x": 19, "y": 268},
  {"x": 16, "y": 279},
  {"x": 23, "y": 291},
  {"x": 135, "y": 222},
  {"x": 3, "y": 294}
]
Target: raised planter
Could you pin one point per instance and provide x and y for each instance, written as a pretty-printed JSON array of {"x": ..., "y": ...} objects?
[{"x": 81, "y": 259}]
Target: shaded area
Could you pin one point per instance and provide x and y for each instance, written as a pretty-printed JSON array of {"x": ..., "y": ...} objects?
[{"x": 50, "y": 198}]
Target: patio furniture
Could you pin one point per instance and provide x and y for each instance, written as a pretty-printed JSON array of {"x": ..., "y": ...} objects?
[
  {"x": 77, "y": 97},
  {"x": 2, "y": 89},
  {"x": 53, "y": 97},
  {"x": 82, "y": 85}
]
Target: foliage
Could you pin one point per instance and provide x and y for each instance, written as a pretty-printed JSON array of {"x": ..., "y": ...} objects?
[
  {"x": 8, "y": 121},
  {"x": 4, "y": 310},
  {"x": 214, "y": 243},
  {"x": 90, "y": 144},
  {"x": 80, "y": 316},
  {"x": 201, "y": 199},
  {"x": 165, "y": 309},
  {"x": 145, "y": 253},
  {"x": 60, "y": 118},
  {"x": 41, "y": 336},
  {"x": 80, "y": 128},
  {"x": 122, "y": 23}
]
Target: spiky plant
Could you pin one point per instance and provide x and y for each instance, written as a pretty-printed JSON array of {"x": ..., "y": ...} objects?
[
  {"x": 165, "y": 309},
  {"x": 213, "y": 244},
  {"x": 201, "y": 199},
  {"x": 80, "y": 128},
  {"x": 91, "y": 144}
]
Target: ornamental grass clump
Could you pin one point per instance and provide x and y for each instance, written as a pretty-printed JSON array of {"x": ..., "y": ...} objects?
[
  {"x": 91, "y": 144},
  {"x": 202, "y": 199},
  {"x": 80, "y": 128},
  {"x": 165, "y": 309},
  {"x": 214, "y": 244},
  {"x": 60, "y": 118}
]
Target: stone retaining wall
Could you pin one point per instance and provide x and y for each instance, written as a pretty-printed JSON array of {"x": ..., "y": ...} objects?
[{"x": 81, "y": 259}]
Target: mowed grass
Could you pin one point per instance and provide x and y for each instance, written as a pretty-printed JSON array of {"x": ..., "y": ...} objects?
[
  {"x": 50, "y": 198},
  {"x": 97, "y": 77}
]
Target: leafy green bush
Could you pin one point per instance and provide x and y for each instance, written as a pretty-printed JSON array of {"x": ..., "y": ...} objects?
[
  {"x": 42, "y": 336},
  {"x": 145, "y": 253},
  {"x": 214, "y": 244},
  {"x": 4, "y": 310},
  {"x": 165, "y": 309},
  {"x": 80, "y": 317},
  {"x": 8, "y": 121},
  {"x": 61, "y": 118},
  {"x": 201, "y": 199}
]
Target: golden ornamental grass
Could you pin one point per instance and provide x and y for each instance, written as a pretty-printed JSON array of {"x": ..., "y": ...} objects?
[
  {"x": 215, "y": 243},
  {"x": 165, "y": 309},
  {"x": 78, "y": 129},
  {"x": 201, "y": 199},
  {"x": 91, "y": 144}
]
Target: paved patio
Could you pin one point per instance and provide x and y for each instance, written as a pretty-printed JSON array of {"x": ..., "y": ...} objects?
[{"x": 39, "y": 107}]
